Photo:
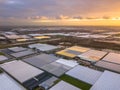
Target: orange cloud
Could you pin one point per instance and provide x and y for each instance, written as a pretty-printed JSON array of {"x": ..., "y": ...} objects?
[{"x": 65, "y": 20}]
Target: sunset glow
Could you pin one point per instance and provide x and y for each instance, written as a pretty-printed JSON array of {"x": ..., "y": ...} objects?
[{"x": 55, "y": 12}]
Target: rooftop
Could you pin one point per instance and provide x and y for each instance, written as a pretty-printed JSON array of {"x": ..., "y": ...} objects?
[
  {"x": 21, "y": 70},
  {"x": 70, "y": 63},
  {"x": 108, "y": 65},
  {"x": 92, "y": 55},
  {"x": 73, "y": 51},
  {"x": 17, "y": 49},
  {"x": 64, "y": 86},
  {"x": 8, "y": 83},
  {"x": 85, "y": 74},
  {"x": 41, "y": 60},
  {"x": 43, "y": 47},
  {"x": 41, "y": 37},
  {"x": 3, "y": 58},
  {"x": 56, "y": 69},
  {"x": 49, "y": 83},
  {"x": 107, "y": 81},
  {"x": 113, "y": 58},
  {"x": 22, "y": 53}
]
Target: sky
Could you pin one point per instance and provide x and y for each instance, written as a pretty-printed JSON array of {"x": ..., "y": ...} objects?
[{"x": 60, "y": 12}]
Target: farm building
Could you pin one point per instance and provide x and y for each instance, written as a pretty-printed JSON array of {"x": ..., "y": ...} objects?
[
  {"x": 22, "y": 53},
  {"x": 3, "y": 58},
  {"x": 56, "y": 69},
  {"x": 6, "y": 82},
  {"x": 64, "y": 86},
  {"x": 42, "y": 37},
  {"x": 43, "y": 47},
  {"x": 110, "y": 62},
  {"x": 49, "y": 83},
  {"x": 113, "y": 58},
  {"x": 85, "y": 74},
  {"x": 21, "y": 71},
  {"x": 92, "y": 55},
  {"x": 70, "y": 63},
  {"x": 40, "y": 60},
  {"x": 17, "y": 49},
  {"x": 107, "y": 81},
  {"x": 73, "y": 51},
  {"x": 39, "y": 36},
  {"x": 108, "y": 66}
]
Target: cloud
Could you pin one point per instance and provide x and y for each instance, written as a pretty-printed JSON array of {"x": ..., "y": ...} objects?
[
  {"x": 62, "y": 17},
  {"x": 106, "y": 17},
  {"x": 56, "y": 9},
  {"x": 77, "y": 17}
]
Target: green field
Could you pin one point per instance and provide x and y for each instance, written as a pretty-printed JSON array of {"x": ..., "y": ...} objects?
[
  {"x": 0, "y": 71},
  {"x": 1, "y": 53},
  {"x": 75, "y": 82}
]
